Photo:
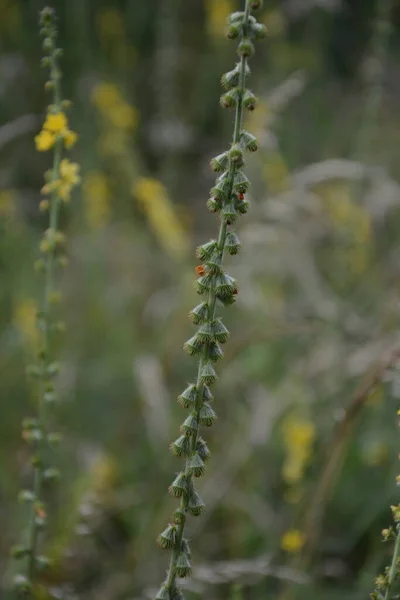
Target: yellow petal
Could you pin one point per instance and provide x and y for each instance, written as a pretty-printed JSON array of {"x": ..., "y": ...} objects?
[
  {"x": 44, "y": 141},
  {"x": 56, "y": 122}
]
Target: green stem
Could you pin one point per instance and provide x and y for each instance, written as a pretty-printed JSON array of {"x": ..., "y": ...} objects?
[
  {"x": 393, "y": 566},
  {"x": 212, "y": 299},
  {"x": 55, "y": 203}
]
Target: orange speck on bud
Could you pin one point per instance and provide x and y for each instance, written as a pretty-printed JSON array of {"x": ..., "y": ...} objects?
[
  {"x": 40, "y": 512},
  {"x": 235, "y": 291},
  {"x": 200, "y": 270},
  {"x": 241, "y": 196}
]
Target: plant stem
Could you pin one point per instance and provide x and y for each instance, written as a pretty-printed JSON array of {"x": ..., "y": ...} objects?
[
  {"x": 212, "y": 299},
  {"x": 393, "y": 566}
]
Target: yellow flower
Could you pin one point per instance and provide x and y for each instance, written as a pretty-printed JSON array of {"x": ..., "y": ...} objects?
[
  {"x": 44, "y": 140},
  {"x": 292, "y": 541},
  {"x": 216, "y": 16},
  {"x": 25, "y": 320},
  {"x": 153, "y": 197},
  {"x": 123, "y": 116},
  {"x": 106, "y": 95},
  {"x": 69, "y": 178},
  {"x": 97, "y": 199},
  {"x": 56, "y": 122},
  {"x": 69, "y": 172},
  {"x": 70, "y": 138}
]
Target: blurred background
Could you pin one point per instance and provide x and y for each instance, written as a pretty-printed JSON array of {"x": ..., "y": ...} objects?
[{"x": 305, "y": 449}]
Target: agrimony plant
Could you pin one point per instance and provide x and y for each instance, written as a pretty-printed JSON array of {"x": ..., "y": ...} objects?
[
  {"x": 227, "y": 199},
  {"x": 59, "y": 182}
]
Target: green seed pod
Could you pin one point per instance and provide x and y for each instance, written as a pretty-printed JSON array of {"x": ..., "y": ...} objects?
[
  {"x": 190, "y": 425},
  {"x": 196, "y": 465},
  {"x": 193, "y": 346},
  {"x": 202, "y": 449},
  {"x": 42, "y": 562},
  {"x": 181, "y": 446},
  {"x": 236, "y": 155},
  {"x": 22, "y": 584},
  {"x": 205, "y": 251},
  {"x": 207, "y": 395},
  {"x": 241, "y": 183},
  {"x": 219, "y": 163},
  {"x": 232, "y": 32},
  {"x": 214, "y": 352},
  {"x": 249, "y": 100},
  {"x": 179, "y": 486},
  {"x": 205, "y": 332},
  {"x": 245, "y": 48},
  {"x": 256, "y": 4},
  {"x": 207, "y": 415},
  {"x": 188, "y": 397},
  {"x": 214, "y": 205},
  {"x": 51, "y": 474},
  {"x": 203, "y": 284},
  {"x": 183, "y": 567},
  {"x": 196, "y": 505},
  {"x": 225, "y": 285},
  {"x": 248, "y": 141},
  {"x": 208, "y": 374},
  {"x": 236, "y": 17},
  {"x": 259, "y": 31},
  {"x": 18, "y": 552},
  {"x": 229, "y": 99},
  {"x": 242, "y": 206},
  {"x": 199, "y": 313},
  {"x": 163, "y": 593},
  {"x": 214, "y": 262},
  {"x": 232, "y": 243},
  {"x": 166, "y": 539},
  {"x": 179, "y": 516},
  {"x": 26, "y": 497},
  {"x": 230, "y": 79},
  {"x": 229, "y": 214},
  {"x": 219, "y": 331}
]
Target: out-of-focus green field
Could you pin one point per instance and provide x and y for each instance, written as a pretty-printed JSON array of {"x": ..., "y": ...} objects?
[{"x": 295, "y": 501}]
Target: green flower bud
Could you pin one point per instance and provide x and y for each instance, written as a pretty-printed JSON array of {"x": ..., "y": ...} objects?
[
  {"x": 214, "y": 262},
  {"x": 205, "y": 333},
  {"x": 256, "y": 4},
  {"x": 166, "y": 539},
  {"x": 42, "y": 562},
  {"x": 232, "y": 32},
  {"x": 179, "y": 516},
  {"x": 196, "y": 465},
  {"x": 207, "y": 395},
  {"x": 190, "y": 425},
  {"x": 225, "y": 285},
  {"x": 259, "y": 31},
  {"x": 183, "y": 567},
  {"x": 236, "y": 17},
  {"x": 242, "y": 206},
  {"x": 51, "y": 475},
  {"x": 203, "y": 284},
  {"x": 26, "y": 497}
]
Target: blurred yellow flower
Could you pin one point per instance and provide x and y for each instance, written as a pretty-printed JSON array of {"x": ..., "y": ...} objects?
[
  {"x": 44, "y": 141},
  {"x": 292, "y": 541},
  {"x": 153, "y": 198},
  {"x": 69, "y": 178},
  {"x": 55, "y": 122},
  {"x": 111, "y": 24},
  {"x": 298, "y": 436},
  {"x": 106, "y": 95},
  {"x": 97, "y": 199},
  {"x": 25, "y": 321},
  {"x": 123, "y": 116},
  {"x": 7, "y": 203},
  {"x": 216, "y": 16},
  {"x": 70, "y": 138}
]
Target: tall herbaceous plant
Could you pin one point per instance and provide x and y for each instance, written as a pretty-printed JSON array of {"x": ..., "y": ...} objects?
[
  {"x": 218, "y": 289},
  {"x": 60, "y": 179}
]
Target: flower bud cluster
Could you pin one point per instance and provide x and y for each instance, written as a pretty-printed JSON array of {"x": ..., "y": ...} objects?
[
  {"x": 217, "y": 288},
  {"x": 36, "y": 432}
]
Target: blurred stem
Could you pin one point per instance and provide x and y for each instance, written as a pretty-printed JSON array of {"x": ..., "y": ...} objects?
[
  {"x": 212, "y": 299},
  {"x": 45, "y": 331},
  {"x": 393, "y": 567}
]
